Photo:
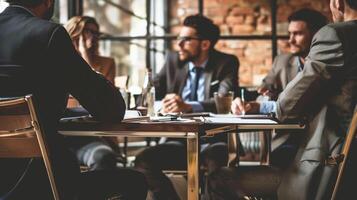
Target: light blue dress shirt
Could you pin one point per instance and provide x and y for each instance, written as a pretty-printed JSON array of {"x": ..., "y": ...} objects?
[
  {"x": 267, "y": 107},
  {"x": 186, "y": 92}
]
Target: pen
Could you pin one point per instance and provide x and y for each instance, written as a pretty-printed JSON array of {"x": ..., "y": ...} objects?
[{"x": 243, "y": 100}]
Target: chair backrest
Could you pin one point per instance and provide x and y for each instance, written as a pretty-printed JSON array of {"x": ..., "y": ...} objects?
[
  {"x": 351, "y": 135},
  {"x": 21, "y": 135}
]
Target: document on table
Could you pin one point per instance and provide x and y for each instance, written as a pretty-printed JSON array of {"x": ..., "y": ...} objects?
[{"x": 238, "y": 120}]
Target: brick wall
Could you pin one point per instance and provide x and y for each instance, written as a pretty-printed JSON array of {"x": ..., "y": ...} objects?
[{"x": 246, "y": 17}]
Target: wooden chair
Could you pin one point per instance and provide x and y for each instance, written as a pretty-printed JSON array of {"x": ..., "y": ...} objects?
[
  {"x": 351, "y": 135},
  {"x": 21, "y": 135}
]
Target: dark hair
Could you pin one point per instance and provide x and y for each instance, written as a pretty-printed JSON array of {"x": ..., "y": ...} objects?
[
  {"x": 204, "y": 27},
  {"x": 25, "y": 2},
  {"x": 352, "y": 4},
  {"x": 314, "y": 19}
]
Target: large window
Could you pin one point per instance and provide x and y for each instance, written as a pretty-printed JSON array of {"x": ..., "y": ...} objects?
[
  {"x": 138, "y": 32},
  {"x": 127, "y": 37}
]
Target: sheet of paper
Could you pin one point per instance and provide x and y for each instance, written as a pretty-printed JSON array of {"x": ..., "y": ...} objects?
[
  {"x": 237, "y": 120},
  {"x": 253, "y": 116}
]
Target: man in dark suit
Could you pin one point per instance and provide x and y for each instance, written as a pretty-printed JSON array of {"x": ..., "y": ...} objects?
[
  {"x": 324, "y": 93},
  {"x": 196, "y": 60},
  {"x": 187, "y": 83},
  {"x": 303, "y": 24},
  {"x": 37, "y": 57}
]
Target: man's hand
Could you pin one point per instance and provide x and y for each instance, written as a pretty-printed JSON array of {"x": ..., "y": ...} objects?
[
  {"x": 239, "y": 107},
  {"x": 263, "y": 91},
  {"x": 172, "y": 103}
]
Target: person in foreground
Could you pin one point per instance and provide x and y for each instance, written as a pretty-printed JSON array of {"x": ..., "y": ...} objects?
[
  {"x": 186, "y": 83},
  {"x": 324, "y": 95},
  {"x": 37, "y": 57},
  {"x": 303, "y": 24}
]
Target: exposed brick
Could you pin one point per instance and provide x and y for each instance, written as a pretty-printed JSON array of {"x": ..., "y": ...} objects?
[
  {"x": 246, "y": 17},
  {"x": 225, "y": 30},
  {"x": 263, "y": 29},
  {"x": 250, "y": 19},
  {"x": 242, "y": 29},
  {"x": 241, "y": 11},
  {"x": 234, "y": 20}
]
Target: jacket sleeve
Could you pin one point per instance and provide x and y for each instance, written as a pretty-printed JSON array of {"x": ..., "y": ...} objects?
[
  {"x": 308, "y": 91},
  {"x": 92, "y": 90}
]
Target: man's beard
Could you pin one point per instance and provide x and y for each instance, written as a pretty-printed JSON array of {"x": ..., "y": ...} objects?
[
  {"x": 49, "y": 14},
  {"x": 301, "y": 53},
  {"x": 191, "y": 57}
]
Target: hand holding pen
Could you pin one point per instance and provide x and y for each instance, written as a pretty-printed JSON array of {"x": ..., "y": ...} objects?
[
  {"x": 241, "y": 107},
  {"x": 238, "y": 105}
]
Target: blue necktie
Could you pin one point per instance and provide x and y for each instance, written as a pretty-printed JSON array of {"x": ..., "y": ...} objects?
[{"x": 194, "y": 83}]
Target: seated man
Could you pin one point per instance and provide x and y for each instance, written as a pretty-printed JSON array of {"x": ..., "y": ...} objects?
[
  {"x": 37, "y": 57},
  {"x": 324, "y": 94},
  {"x": 187, "y": 83},
  {"x": 303, "y": 24}
]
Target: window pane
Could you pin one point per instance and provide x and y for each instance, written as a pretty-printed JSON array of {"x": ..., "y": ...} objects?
[
  {"x": 115, "y": 18},
  {"x": 129, "y": 58}
]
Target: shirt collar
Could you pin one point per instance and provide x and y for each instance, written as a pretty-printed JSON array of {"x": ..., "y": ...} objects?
[
  {"x": 29, "y": 11},
  {"x": 191, "y": 65}
]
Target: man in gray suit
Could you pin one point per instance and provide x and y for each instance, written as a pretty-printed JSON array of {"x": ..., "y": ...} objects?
[
  {"x": 303, "y": 24},
  {"x": 324, "y": 93},
  {"x": 187, "y": 83}
]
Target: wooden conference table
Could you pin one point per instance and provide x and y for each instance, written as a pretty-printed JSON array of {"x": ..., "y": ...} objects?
[{"x": 191, "y": 129}]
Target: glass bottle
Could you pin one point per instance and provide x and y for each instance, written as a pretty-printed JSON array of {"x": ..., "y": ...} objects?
[{"x": 148, "y": 96}]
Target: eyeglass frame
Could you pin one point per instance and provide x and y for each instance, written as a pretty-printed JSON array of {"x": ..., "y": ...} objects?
[{"x": 187, "y": 38}]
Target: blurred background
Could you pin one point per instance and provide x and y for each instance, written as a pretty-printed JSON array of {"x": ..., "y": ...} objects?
[{"x": 138, "y": 32}]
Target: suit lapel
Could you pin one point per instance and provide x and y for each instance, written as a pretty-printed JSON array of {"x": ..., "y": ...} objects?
[
  {"x": 208, "y": 76},
  {"x": 181, "y": 77},
  {"x": 291, "y": 71},
  {"x": 293, "y": 68}
]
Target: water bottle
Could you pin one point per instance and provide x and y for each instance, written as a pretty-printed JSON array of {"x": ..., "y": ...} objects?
[{"x": 148, "y": 96}]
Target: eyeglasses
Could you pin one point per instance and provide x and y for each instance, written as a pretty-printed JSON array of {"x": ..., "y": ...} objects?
[
  {"x": 187, "y": 38},
  {"x": 94, "y": 33}
]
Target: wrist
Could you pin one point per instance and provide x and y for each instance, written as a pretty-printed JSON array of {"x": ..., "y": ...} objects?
[{"x": 188, "y": 108}]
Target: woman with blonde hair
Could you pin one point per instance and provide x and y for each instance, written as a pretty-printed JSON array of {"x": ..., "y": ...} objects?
[
  {"x": 84, "y": 32},
  {"x": 95, "y": 153}
]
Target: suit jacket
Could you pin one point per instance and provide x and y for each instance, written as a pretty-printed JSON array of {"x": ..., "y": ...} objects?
[
  {"x": 325, "y": 94},
  {"x": 37, "y": 57},
  {"x": 220, "y": 74},
  {"x": 284, "y": 69}
]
